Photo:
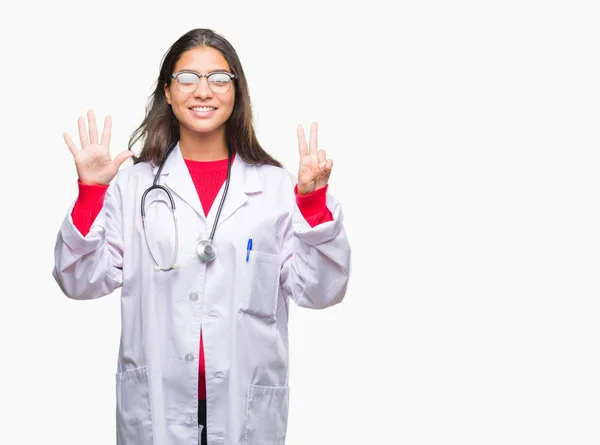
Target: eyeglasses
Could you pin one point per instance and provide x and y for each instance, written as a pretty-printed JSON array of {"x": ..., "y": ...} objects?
[{"x": 188, "y": 81}]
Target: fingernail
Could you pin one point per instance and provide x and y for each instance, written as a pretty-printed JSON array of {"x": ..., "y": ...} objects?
[{"x": 322, "y": 164}]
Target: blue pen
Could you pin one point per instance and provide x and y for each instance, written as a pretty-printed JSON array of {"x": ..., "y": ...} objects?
[{"x": 248, "y": 249}]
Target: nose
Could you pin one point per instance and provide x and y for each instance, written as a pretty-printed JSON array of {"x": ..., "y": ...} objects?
[{"x": 203, "y": 91}]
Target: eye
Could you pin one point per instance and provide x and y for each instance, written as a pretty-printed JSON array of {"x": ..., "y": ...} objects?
[
  {"x": 187, "y": 78},
  {"x": 219, "y": 78}
]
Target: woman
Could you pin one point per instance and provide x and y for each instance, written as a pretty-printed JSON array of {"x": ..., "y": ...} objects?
[{"x": 207, "y": 258}]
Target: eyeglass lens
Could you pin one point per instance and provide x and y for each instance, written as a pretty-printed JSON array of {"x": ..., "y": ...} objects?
[{"x": 217, "y": 82}]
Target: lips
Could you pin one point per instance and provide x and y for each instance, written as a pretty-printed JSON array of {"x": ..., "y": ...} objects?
[
  {"x": 203, "y": 108},
  {"x": 203, "y": 112}
]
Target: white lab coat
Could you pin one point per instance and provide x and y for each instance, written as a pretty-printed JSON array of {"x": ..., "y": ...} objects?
[{"x": 241, "y": 306}]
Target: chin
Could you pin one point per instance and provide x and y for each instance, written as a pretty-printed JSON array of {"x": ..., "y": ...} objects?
[{"x": 204, "y": 127}]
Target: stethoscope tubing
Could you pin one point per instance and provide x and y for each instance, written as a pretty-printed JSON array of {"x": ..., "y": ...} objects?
[{"x": 207, "y": 252}]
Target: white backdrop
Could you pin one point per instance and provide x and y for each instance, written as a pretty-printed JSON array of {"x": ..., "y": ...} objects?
[{"x": 465, "y": 139}]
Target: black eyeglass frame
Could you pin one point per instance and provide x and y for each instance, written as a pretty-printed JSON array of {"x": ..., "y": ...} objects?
[{"x": 232, "y": 76}]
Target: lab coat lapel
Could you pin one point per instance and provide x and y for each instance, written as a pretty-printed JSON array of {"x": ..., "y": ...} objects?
[
  {"x": 244, "y": 180},
  {"x": 178, "y": 179}
]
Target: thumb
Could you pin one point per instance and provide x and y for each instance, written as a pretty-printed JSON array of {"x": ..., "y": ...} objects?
[{"x": 122, "y": 157}]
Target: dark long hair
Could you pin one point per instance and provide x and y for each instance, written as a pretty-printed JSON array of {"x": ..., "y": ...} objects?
[{"x": 160, "y": 129}]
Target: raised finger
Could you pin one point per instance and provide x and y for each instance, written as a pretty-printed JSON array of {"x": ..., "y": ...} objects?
[
  {"x": 92, "y": 126},
  {"x": 72, "y": 148},
  {"x": 302, "y": 147},
  {"x": 314, "y": 145},
  {"x": 106, "y": 131},
  {"x": 83, "y": 138}
]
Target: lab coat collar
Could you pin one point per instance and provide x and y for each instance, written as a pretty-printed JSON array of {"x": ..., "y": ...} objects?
[{"x": 244, "y": 180}]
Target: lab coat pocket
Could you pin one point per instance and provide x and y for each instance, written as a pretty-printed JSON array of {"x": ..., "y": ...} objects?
[
  {"x": 134, "y": 413},
  {"x": 260, "y": 285},
  {"x": 266, "y": 415}
]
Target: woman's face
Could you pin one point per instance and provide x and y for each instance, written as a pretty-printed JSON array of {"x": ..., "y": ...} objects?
[{"x": 190, "y": 108}]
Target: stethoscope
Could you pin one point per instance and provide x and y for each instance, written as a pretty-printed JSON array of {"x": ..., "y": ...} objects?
[{"x": 205, "y": 248}]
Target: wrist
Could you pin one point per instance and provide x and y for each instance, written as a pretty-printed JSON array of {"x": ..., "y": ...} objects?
[
  {"x": 310, "y": 192},
  {"x": 304, "y": 190},
  {"x": 89, "y": 182}
]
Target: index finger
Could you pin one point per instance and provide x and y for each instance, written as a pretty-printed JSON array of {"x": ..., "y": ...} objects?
[
  {"x": 302, "y": 147},
  {"x": 106, "y": 130}
]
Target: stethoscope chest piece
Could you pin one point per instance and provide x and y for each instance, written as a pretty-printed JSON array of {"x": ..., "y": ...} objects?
[{"x": 206, "y": 250}]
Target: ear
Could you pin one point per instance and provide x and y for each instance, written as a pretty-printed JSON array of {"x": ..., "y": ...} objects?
[{"x": 168, "y": 94}]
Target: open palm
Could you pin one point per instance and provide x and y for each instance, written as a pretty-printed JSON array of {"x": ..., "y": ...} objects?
[{"x": 93, "y": 162}]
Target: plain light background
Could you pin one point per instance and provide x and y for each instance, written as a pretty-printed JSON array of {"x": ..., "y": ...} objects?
[{"x": 465, "y": 139}]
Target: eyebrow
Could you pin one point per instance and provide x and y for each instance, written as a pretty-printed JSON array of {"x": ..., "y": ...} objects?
[{"x": 218, "y": 70}]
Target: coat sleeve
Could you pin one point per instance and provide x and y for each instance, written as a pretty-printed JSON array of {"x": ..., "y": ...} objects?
[
  {"x": 91, "y": 266},
  {"x": 316, "y": 261}
]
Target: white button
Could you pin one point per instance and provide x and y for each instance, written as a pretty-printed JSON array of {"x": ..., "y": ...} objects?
[
  {"x": 199, "y": 236},
  {"x": 189, "y": 358},
  {"x": 191, "y": 419},
  {"x": 194, "y": 296},
  {"x": 218, "y": 375}
]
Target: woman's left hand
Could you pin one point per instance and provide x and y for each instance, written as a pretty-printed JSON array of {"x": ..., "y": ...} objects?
[{"x": 315, "y": 168}]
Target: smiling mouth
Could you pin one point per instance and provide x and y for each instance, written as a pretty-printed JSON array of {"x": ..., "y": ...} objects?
[{"x": 203, "y": 109}]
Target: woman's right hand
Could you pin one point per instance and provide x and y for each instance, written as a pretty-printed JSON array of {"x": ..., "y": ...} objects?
[{"x": 93, "y": 162}]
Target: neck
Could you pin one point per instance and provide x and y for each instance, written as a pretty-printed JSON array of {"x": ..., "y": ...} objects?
[{"x": 203, "y": 147}]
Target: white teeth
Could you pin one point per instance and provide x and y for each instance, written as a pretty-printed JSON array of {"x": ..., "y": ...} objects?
[{"x": 204, "y": 109}]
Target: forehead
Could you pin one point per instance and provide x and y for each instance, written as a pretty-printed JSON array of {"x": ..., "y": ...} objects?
[{"x": 202, "y": 59}]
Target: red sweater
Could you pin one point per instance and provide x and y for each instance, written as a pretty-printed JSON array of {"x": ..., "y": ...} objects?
[{"x": 208, "y": 178}]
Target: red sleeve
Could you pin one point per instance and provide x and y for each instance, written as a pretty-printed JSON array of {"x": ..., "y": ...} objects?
[
  {"x": 313, "y": 206},
  {"x": 89, "y": 203}
]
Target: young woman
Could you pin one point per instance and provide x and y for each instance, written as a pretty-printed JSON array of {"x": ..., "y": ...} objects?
[{"x": 208, "y": 238}]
